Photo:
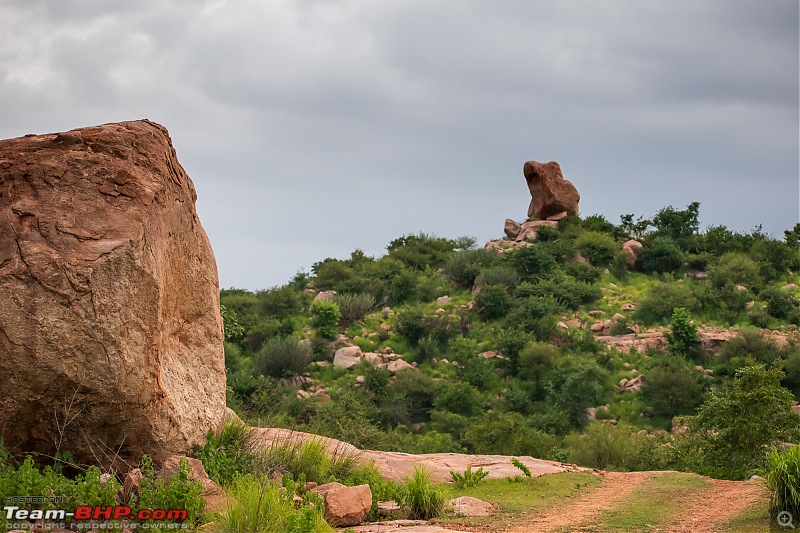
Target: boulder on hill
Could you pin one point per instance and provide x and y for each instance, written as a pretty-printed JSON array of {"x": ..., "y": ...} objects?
[
  {"x": 111, "y": 341},
  {"x": 551, "y": 194}
]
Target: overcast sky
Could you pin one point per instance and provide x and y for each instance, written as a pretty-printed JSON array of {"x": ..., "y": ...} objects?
[{"x": 315, "y": 127}]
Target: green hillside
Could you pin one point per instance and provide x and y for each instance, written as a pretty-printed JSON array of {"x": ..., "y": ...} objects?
[{"x": 509, "y": 350}]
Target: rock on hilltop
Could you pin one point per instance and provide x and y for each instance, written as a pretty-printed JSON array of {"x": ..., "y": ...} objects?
[{"x": 110, "y": 333}]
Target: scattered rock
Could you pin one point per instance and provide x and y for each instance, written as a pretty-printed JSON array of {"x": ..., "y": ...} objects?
[
  {"x": 558, "y": 216},
  {"x": 511, "y": 229},
  {"x": 325, "y": 295},
  {"x": 130, "y": 486},
  {"x": 551, "y": 194},
  {"x": 628, "y": 307},
  {"x": 110, "y": 290},
  {"x": 696, "y": 274},
  {"x": 789, "y": 287},
  {"x": 388, "y": 508},
  {"x": 469, "y": 506},
  {"x": 345, "y": 506},
  {"x": 398, "y": 366},
  {"x": 303, "y": 395},
  {"x": 631, "y": 385},
  {"x": 528, "y": 230},
  {"x": 347, "y": 357},
  {"x": 631, "y": 250},
  {"x": 443, "y": 300}
]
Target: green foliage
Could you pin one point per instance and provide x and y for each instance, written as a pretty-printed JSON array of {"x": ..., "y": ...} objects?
[
  {"x": 282, "y": 356},
  {"x": 177, "y": 492},
  {"x": 531, "y": 262},
  {"x": 259, "y": 506},
  {"x": 493, "y": 302},
  {"x": 507, "y": 434},
  {"x": 232, "y": 329},
  {"x": 575, "y": 385},
  {"x": 353, "y": 307},
  {"x": 672, "y": 387},
  {"x": 599, "y": 248},
  {"x": 280, "y": 301},
  {"x": 468, "y": 478},
  {"x": 228, "y": 455},
  {"x": 519, "y": 464},
  {"x": 464, "y": 267},
  {"x": 781, "y": 303},
  {"x": 609, "y": 447},
  {"x": 460, "y": 398},
  {"x": 678, "y": 225},
  {"x": 734, "y": 424},
  {"x": 663, "y": 299},
  {"x": 661, "y": 254},
  {"x": 781, "y": 474},
  {"x": 421, "y": 496},
  {"x": 735, "y": 268},
  {"x": 682, "y": 336},
  {"x": 325, "y": 316},
  {"x": 498, "y": 275},
  {"x": 421, "y": 251}
]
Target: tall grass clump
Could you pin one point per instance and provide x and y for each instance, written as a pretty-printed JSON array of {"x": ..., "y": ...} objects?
[
  {"x": 282, "y": 356},
  {"x": 311, "y": 460},
  {"x": 463, "y": 267},
  {"x": 423, "y": 498},
  {"x": 781, "y": 475},
  {"x": 259, "y": 507},
  {"x": 230, "y": 454}
]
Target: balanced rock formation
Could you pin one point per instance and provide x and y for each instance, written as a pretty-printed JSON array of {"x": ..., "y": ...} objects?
[
  {"x": 111, "y": 340},
  {"x": 551, "y": 194}
]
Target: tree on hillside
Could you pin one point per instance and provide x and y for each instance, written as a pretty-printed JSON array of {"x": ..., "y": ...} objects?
[{"x": 735, "y": 425}]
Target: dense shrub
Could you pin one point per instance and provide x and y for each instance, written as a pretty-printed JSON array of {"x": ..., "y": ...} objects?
[
  {"x": 280, "y": 301},
  {"x": 282, "y": 356},
  {"x": 493, "y": 302},
  {"x": 507, "y": 434},
  {"x": 662, "y": 299},
  {"x": 569, "y": 292},
  {"x": 460, "y": 398},
  {"x": 498, "y": 275},
  {"x": 575, "y": 385},
  {"x": 421, "y": 251},
  {"x": 325, "y": 317},
  {"x": 610, "y": 447},
  {"x": 532, "y": 262},
  {"x": 679, "y": 225},
  {"x": 353, "y": 307},
  {"x": 781, "y": 303},
  {"x": 463, "y": 267},
  {"x": 672, "y": 387},
  {"x": 661, "y": 254},
  {"x": 599, "y": 248},
  {"x": 423, "y": 498},
  {"x": 735, "y": 268},
  {"x": 682, "y": 335},
  {"x": 330, "y": 273},
  {"x": 736, "y": 423}
]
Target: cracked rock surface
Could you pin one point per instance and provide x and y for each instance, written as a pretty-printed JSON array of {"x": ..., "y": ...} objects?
[{"x": 111, "y": 342}]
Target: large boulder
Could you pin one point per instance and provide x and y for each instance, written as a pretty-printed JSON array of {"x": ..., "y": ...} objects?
[
  {"x": 551, "y": 194},
  {"x": 111, "y": 340},
  {"x": 345, "y": 506}
]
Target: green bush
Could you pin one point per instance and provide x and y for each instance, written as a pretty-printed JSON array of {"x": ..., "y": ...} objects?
[
  {"x": 464, "y": 267},
  {"x": 575, "y": 385},
  {"x": 280, "y": 301},
  {"x": 736, "y": 423},
  {"x": 663, "y": 299},
  {"x": 230, "y": 455},
  {"x": 682, "y": 336},
  {"x": 781, "y": 474},
  {"x": 282, "y": 356},
  {"x": 735, "y": 268},
  {"x": 421, "y": 251},
  {"x": 608, "y": 447},
  {"x": 421, "y": 496},
  {"x": 498, "y": 275},
  {"x": 177, "y": 492},
  {"x": 493, "y": 302},
  {"x": 531, "y": 262},
  {"x": 599, "y": 248},
  {"x": 325, "y": 316},
  {"x": 468, "y": 478},
  {"x": 672, "y": 387},
  {"x": 353, "y": 307},
  {"x": 507, "y": 434},
  {"x": 781, "y": 304},
  {"x": 460, "y": 398},
  {"x": 661, "y": 254}
]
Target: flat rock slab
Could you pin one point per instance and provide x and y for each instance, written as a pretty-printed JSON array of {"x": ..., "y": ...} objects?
[
  {"x": 396, "y": 466},
  {"x": 404, "y": 526}
]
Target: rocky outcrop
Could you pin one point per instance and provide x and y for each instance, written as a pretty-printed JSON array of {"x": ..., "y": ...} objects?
[
  {"x": 551, "y": 194},
  {"x": 469, "y": 506},
  {"x": 110, "y": 332}
]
